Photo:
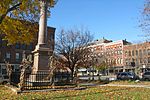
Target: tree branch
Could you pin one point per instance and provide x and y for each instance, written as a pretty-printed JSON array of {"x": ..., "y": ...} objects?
[{"x": 9, "y": 10}]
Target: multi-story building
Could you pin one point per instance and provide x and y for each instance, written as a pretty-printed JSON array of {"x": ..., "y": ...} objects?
[
  {"x": 114, "y": 55},
  {"x": 98, "y": 47},
  {"x": 14, "y": 53},
  {"x": 121, "y": 55},
  {"x": 137, "y": 56},
  {"x": 111, "y": 52}
]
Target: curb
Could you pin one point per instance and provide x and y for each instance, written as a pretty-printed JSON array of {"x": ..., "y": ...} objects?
[{"x": 17, "y": 91}]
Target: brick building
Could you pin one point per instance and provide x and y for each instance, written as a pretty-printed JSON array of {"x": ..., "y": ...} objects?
[
  {"x": 14, "y": 53},
  {"x": 122, "y": 56},
  {"x": 114, "y": 54},
  {"x": 137, "y": 56},
  {"x": 111, "y": 52}
]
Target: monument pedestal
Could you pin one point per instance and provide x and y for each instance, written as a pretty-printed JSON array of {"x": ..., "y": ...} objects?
[
  {"x": 40, "y": 69},
  {"x": 41, "y": 58}
]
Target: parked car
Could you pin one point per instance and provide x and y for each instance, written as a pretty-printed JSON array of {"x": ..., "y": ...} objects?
[
  {"x": 4, "y": 79},
  {"x": 127, "y": 76},
  {"x": 146, "y": 76}
]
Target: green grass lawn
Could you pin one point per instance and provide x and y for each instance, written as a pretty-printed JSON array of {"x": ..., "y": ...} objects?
[{"x": 93, "y": 93}]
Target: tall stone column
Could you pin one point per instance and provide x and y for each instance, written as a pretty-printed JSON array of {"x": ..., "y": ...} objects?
[
  {"x": 41, "y": 52},
  {"x": 42, "y": 23}
]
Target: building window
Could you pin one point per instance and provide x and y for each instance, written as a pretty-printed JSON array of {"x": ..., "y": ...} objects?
[
  {"x": 126, "y": 61},
  {"x": 17, "y": 56},
  {"x": 23, "y": 46},
  {"x": 140, "y": 52},
  {"x": 133, "y": 60},
  {"x": 30, "y": 46},
  {"x": 141, "y": 60},
  {"x": 1, "y": 42},
  {"x": 133, "y": 53},
  {"x": 136, "y": 52},
  {"x": 126, "y": 53},
  {"x": 4, "y": 71},
  {"x": 148, "y": 51},
  {"x": 121, "y": 61},
  {"x": 144, "y": 52},
  {"x": 129, "y": 53},
  {"x": 17, "y": 46},
  {"x": 8, "y": 55},
  {"x": 4, "y": 44},
  {"x": 148, "y": 59}
]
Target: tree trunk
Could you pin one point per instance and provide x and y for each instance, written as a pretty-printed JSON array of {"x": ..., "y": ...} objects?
[{"x": 72, "y": 72}]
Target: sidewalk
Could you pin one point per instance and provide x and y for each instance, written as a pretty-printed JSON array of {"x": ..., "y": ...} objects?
[
  {"x": 118, "y": 85},
  {"x": 143, "y": 86}
]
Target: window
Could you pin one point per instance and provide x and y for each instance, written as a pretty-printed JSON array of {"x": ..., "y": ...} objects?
[
  {"x": 147, "y": 73},
  {"x": 30, "y": 47},
  {"x": 1, "y": 42},
  {"x": 24, "y": 46},
  {"x": 17, "y": 56},
  {"x": 121, "y": 61},
  {"x": 148, "y": 59},
  {"x": 126, "y": 53},
  {"x": 144, "y": 52},
  {"x": 8, "y": 55},
  {"x": 129, "y": 53},
  {"x": 4, "y": 71},
  {"x": 148, "y": 51},
  {"x": 120, "y": 52},
  {"x": 133, "y": 53},
  {"x": 136, "y": 52},
  {"x": 126, "y": 61},
  {"x": 141, "y": 60},
  {"x": 17, "y": 46},
  {"x": 4, "y": 44},
  {"x": 140, "y": 52}
]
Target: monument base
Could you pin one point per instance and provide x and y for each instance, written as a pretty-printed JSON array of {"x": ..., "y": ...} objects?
[
  {"x": 41, "y": 58},
  {"x": 40, "y": 72},
  {"x": 40, "y": 78}
]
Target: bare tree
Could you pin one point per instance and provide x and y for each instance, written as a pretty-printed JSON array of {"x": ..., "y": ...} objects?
[
  {"x": 145, "y": 20},
  {"x": 72, "y": 44},
  {"x": 98, "y": 62}
]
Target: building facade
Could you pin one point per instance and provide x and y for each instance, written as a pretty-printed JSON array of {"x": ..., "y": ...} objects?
[
  {"x": 14, "y": 53},
  {"x": 111, "y": 52},
  {"x": 137, "y": 57},
  {"x": 122, "y": 56}
]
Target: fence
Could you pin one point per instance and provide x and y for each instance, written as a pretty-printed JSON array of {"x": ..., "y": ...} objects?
[{"x": 40, "y": 80}]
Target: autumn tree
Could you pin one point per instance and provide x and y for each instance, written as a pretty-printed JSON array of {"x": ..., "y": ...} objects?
[
  {"x": 19, "y": 19},
  {"x": 72, "y": 44}
]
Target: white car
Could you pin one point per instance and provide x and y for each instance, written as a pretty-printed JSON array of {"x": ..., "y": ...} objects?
[{"x": 4, "y": 79}]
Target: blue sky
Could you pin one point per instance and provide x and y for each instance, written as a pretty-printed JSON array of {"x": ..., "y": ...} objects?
[{"x": 112, "y": 19}]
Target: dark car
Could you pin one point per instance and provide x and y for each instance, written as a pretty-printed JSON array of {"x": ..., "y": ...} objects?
[
  {"x": 146, "y": 76},
  {"x": 127, "y": 76}
]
